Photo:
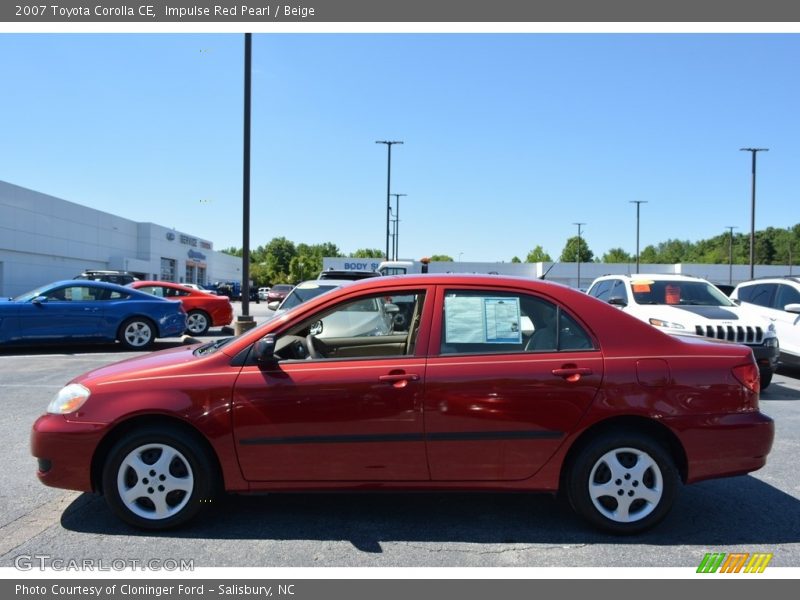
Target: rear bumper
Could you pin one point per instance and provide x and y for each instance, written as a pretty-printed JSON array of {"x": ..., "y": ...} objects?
[{"x": 724, "y": 445}]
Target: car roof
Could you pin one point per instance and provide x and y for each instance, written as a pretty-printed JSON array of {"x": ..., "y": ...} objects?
[
  {"x": 772, "y": 279},
  {"x": 652, "y": 276},
  {"x": 324, "y": 283}
]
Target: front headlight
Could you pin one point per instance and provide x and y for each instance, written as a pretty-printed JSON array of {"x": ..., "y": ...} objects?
[
  {"x": 667, "y": 324},
  {"x": 69, "y": 399},
  {"x": 771, "y": 342}
]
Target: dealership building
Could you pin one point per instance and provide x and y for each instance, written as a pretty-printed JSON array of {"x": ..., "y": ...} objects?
[{"x": 44, "y": 239}]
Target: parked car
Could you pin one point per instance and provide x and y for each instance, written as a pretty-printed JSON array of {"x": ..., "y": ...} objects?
[
  {"x": 683, "y": 305},
  {"x": 203, "y": 310},
  {"x": 262, "y": 293},
  {"x": 370, "y": 317},
  {"x": 342, "y": 274},
  {"x": 118, "y": 277},
  {"x": 304, "y": 291},
  {"x": 278, "y": 292},
  {"x": 777, "y": 299},
  {"x": 498, "y": 384},
  {"x": 85, "y": 310},
  {"x": 202, "y": 288}
]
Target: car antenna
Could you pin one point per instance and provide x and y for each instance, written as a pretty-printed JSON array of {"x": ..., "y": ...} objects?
[{"x": 544, "y": 275}]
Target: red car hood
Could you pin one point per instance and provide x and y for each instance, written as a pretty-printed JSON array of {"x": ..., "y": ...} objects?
[{"x": 155, "y": 364}]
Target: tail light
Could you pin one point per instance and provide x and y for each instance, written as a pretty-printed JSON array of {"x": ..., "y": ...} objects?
[{"x": 748, "y": 376}]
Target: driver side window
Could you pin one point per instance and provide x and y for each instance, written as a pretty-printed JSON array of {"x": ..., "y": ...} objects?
[{"x": 368, "y": 327}]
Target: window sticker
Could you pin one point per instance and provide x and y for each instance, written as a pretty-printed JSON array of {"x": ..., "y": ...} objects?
[
  {"x": 502, "y": 320},
  {"x": 641, "y": 287},
  {"x": 672, "y": 294},
  {"x": 476, "y": 320}
]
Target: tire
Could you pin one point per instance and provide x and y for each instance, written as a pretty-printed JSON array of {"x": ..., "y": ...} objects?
[
  {"x": 766, "y": 379},
  {"x": 622, "y": 482},
  {"x": 137, "y": 333},
  {"x": 158, "y": 478},
  {"x": 197, "y": 322}
]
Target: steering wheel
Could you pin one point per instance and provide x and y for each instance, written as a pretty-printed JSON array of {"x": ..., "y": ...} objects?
[{"x": 312, "y": 348}]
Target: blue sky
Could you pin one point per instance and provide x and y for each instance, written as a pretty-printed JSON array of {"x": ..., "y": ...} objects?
[{"x": 509, "y": 138}]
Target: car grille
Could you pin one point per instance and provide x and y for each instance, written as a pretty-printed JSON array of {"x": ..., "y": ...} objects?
[{"x": 739, "y": 334}]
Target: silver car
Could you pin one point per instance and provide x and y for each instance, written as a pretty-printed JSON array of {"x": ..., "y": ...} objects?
[{"x": 363, "y": 318}]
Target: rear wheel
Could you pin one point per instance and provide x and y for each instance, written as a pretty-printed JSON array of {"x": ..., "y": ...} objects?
[
  {"x": 158, "y": 478},
  {"x": 622, "y": 482},
  {"x": 137, "y": 333},
  {"x": 197, "y": 322}
]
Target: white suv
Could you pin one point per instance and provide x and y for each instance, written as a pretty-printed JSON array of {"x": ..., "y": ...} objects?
[
  {"x": 778, "y": 299},
  {"x": 683, "y": 305}
]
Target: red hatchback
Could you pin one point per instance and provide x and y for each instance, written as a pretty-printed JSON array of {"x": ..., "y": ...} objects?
[
  {"x": 203, "y": 310},
  {"x": 494, "y": 383}
]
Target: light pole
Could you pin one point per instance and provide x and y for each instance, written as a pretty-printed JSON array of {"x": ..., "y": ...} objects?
[
  {"x": 389, "y": 145},
  {"x": 637, "y": 203},
  {"x": 791, "y": 233},
  {"x": 245, "y": 320},
  {"x": 753, "y": 151},
  {"x": 730, "y": 229},
  {"x": 578, "y": 257},
  {"x": 397, "y": 225}
]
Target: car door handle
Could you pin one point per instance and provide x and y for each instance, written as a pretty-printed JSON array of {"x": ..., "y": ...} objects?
[
  {"x": 572, "y": 373},
  {"x": 399, "y": 380}
]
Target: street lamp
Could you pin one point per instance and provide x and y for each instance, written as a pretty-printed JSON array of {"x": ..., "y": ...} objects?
[
  {"x": 397, "y": 225},
  {"x": 389, "y": 145},
  {"x": 730, "y": 229},
  {"x": 245, "y": 320},
  {"x": 753, "y": 151},
  {"x": 579, "y": 253},
  {"x": 637, "y": 203}
]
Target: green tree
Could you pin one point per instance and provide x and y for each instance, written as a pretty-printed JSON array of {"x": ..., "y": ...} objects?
[
  {"x": 441, "y": 258},
  {"x": 515, "y": 259},
  {"x": 538, "y": 255},
  {"x": 278, "y": 254},
  {"x": 573, "y": 250},
  {"x": 367, "y": 253},
  {"x": 617, "y": 255}
]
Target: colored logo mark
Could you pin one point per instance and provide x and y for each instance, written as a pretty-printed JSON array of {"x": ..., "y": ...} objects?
[{"x": 719, "y": 562}]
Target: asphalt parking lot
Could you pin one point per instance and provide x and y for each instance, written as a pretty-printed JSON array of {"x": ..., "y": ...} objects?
[{"x": 755, "y": 513}]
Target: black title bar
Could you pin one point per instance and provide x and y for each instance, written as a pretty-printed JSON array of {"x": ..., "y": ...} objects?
[{"x": 411, "y": 11}]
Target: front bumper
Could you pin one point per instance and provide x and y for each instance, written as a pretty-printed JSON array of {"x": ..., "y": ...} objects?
[
  {"x": 64, "y": 450},
  {"x": 766, "y": 357}
]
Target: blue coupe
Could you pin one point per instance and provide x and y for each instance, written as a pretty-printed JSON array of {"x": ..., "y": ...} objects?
[{"x": 82, "y": 310}]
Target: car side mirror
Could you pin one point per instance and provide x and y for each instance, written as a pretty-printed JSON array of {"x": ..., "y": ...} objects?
[
  {"x": 736, "y": 301},
  {"x": 264, "y": 350},
  {"x": 273, "y": 305},
  {"x": 617, "y": 301},
  {"x": 390, "y": 308},
  {"x": 792, "y": 308},
  {"x": 39, "y": 300}
]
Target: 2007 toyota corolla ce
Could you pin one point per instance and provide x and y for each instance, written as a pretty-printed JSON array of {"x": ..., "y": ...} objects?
[{"x": 493, "y": 383}]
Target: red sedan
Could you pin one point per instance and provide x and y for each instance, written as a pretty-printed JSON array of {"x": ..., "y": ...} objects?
[
  {"x": 494, "y": 383},
  {"x": 203, "y": 310}
]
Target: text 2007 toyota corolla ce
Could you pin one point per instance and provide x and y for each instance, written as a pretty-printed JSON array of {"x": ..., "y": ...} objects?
[{"x": 490, "y": 383}]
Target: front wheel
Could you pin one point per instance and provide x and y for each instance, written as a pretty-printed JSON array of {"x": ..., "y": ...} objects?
[
  {"x": 158, "y": 478},
  {"x": 766, "y": 379},
  {"x": 623, "y": 483}
]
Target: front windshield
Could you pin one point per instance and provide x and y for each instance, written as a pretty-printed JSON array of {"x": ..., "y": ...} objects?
[
  {"x": 300, "y": 294},
  {"x": 678, "y": 292}
]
